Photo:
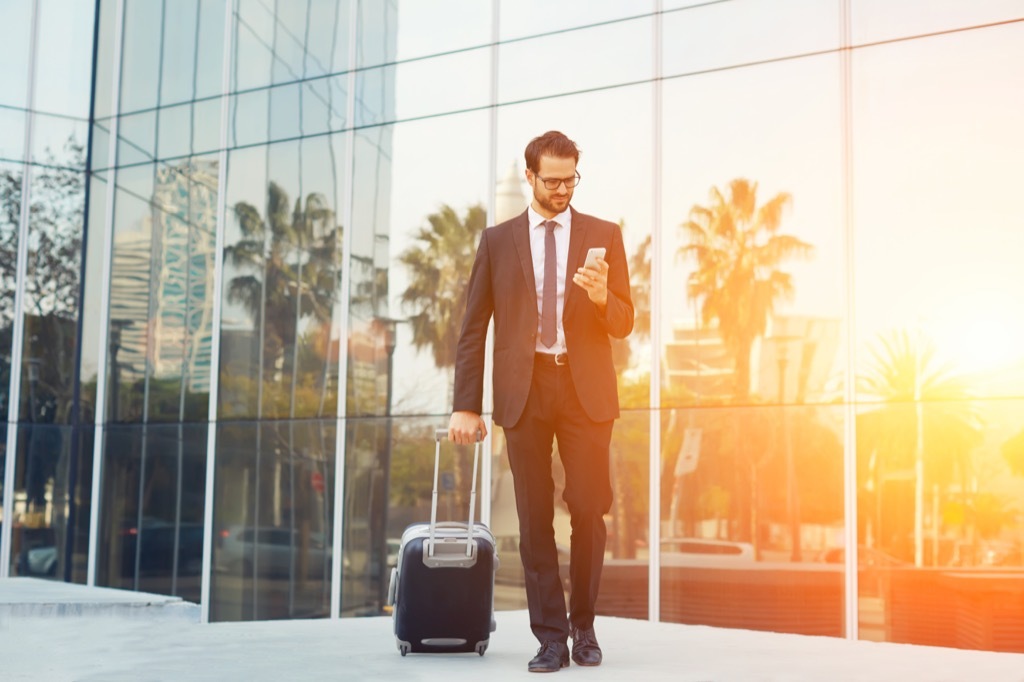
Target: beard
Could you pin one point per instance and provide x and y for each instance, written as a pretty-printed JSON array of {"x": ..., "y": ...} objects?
[{"x": 554, "y": 204}]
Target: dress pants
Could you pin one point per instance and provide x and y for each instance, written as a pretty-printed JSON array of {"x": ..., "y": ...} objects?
[{"x": 553, "y": 411}]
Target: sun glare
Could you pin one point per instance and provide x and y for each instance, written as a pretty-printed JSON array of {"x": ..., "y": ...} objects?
[{"x": 978, "y": 333}]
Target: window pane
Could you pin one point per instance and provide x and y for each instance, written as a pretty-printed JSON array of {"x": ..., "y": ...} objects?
[
  {"x": 753, "y": 513},
  {"x": 179, "y": 51},
  {"x": 51, "y": 294},
  {"x": 64, "y": 57},
  {"x": 131, "y": 286},
  {"x": 874, "y": 20},
  {"x": 12, "y": 134},
  {"x": 274, "y": 520},
  {"x": 777, "y": 169},
  {"x": 425, "y": 87},
  {"x": 15, "y": 34},
  {"x": 744, "y": 31},
  {"x": 433, "y": 26},
  {"x": 534, "y": 17},
  {"x": 140, "y": 59},
  {"x": 10, "y": 219},
  {"x": 413, "y": 230},
  {"x": 59, "y": 141},
  {"x": 151, "y": 529},
  {"x": 569, "y": 61}
]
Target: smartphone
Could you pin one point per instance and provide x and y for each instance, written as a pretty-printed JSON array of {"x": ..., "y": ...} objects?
[{"x": 592, "y": 256}]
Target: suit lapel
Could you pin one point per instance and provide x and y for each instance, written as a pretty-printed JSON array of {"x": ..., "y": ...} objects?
[
  {"x": 577, "y": 237},
  {"x": 521, "y": 239}
]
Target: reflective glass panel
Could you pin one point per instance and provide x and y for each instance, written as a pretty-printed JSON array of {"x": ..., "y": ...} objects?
[
  {"x": 15, "y": 36},
  {"x": 378, "y": 461},
  {"x": 939, "y": 342},
  {"x": 10, "y": 219},
  {"x": 752, "y": 518},
  {"x": 59, "y": 141},
  {"x": 576, "y": 60},
  {"x": 426, "y": 87},
  {"x": 253, "y": 45},
  {"x": 376, "y": 39},
  {"x": 64, "y": 57},
  {"x": 274, "y": 520},
  {"x": 41, "y": 520},
  {"x": 874, "y": 20},
  {"x": 51, "y": 294},
  {"x": 726, "y": 34},
  {"x": 90, "y": 305},
  {"x": 534, "y": 17},
  {"x": 140, "y": 56},
  {"x": 767, "y": 183},
  {"x": 175, "y": 131},
  {"x": 12, "y": 134},
  {"x": 179, "y": 29},
  {"x": 131, "y": 294},
  {"x": 209, "y": 49},
  {"x": 413, "y": 248},
  {"x": 151, "y": 529},
  {"x": 136, "y": 138},
  {"x": 433, "y": 27}
]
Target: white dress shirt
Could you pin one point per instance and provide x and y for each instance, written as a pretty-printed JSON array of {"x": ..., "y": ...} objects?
[{"x": 537, "y": 234}]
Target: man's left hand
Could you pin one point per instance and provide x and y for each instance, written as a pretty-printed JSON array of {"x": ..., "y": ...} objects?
[{"x": 594, "y": 280}]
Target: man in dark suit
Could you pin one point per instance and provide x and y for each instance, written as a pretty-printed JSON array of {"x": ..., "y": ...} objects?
[{"x": 553, "y": 378}]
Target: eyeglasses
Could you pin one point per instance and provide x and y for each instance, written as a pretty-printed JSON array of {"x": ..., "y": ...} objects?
[{"x": 553, "y": 183}]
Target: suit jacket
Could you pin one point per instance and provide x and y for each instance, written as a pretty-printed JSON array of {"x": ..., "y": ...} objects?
[{"x": 502, "y": 284}]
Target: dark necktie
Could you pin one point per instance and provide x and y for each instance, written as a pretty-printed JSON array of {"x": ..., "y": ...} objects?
[{"x": 549, "y": 308}]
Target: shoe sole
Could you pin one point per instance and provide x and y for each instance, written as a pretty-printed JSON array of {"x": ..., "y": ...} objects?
[{"x": 547, "y": 670}]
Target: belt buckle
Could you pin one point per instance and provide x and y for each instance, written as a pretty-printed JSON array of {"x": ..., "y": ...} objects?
[{"x": 561, "y": 359}]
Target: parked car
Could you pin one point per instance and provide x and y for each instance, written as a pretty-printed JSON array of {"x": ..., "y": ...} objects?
[{"x": 272, "y": 551}]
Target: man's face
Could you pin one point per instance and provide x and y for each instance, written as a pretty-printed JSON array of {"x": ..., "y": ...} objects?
[{"x": 550, "y": 168}]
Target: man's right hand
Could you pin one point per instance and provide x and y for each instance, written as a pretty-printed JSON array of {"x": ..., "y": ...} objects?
[{"x": 464, "y": 426}]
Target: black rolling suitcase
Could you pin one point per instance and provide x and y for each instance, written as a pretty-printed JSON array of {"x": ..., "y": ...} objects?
[{"x": 442, "y": 588}]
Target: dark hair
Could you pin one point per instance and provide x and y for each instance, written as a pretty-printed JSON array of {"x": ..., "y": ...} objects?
[{"x": 551, "y": 143}]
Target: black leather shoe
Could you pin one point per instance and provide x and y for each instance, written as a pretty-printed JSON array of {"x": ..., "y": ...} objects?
[
  {"x": 585, "y": 649},
  {"x": 550, "y": 658}
]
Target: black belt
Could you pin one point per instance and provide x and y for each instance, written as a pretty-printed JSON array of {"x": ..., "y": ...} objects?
[{"x": 560, "y": 359}]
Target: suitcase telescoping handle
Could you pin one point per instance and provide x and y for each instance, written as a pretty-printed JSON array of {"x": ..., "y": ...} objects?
[{"x": 439, "y": 435}]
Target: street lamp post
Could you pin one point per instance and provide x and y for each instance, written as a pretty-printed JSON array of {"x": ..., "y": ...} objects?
[{"x": 792, "y": 498}]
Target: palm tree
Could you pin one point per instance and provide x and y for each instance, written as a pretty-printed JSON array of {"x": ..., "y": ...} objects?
[
  {"x": 922, "y": 425},
  {"x": 439, "y": 266},
  {"x": 738, "y": 249}
]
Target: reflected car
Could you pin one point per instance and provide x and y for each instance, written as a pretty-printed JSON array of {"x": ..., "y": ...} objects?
[
  {"x": 38, "y": 561},
  {"x": 156, "y": 544},
  {"x": 510, "y": 567},
  {"x": 271, "y": 550},
  {"x": 394, "y": 544},
  {"x": 867, "y": 557},
  {"x": 704, "y": 551}
]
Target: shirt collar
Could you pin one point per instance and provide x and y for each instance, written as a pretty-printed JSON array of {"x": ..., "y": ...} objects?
[{"x": 536, "y": 219}]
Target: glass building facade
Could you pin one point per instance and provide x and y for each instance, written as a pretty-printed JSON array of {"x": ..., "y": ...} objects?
[{"x": 234, "y": 235}]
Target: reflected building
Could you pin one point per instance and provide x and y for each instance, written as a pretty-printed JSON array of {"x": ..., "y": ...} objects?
[{"x": 206, "y": 216}]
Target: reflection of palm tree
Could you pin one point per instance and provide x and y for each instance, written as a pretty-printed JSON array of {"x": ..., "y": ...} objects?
[
  {"x": 738, "y": 250},
  {"x": 290, "y": 266},
  {"x": 898, "y": 434},
  {"x": 439, "y": 268}
]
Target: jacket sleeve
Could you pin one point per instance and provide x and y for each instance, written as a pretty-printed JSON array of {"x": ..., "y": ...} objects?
[
  {"x": 618, "y": 312},
  {"x": 471, "y": 349}
]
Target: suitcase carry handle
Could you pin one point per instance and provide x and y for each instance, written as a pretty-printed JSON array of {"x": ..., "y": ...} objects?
[{"x": 440, "y": 434}]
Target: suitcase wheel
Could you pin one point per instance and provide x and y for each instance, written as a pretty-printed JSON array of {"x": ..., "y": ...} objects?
[
  {"x": 404, "y": 648},
  {"x": 481, "y": 648}
]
